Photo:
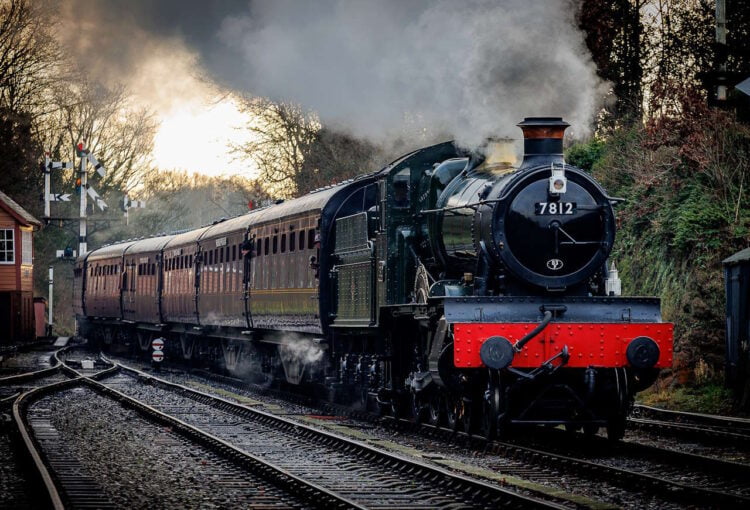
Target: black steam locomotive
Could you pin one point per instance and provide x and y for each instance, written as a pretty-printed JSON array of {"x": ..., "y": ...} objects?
[{"x": 451, "y": 287}]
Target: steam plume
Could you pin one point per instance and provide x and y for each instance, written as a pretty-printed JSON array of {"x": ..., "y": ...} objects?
[{"x": 471, "y": 69}]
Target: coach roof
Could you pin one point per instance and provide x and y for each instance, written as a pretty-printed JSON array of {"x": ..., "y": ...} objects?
[
  {"x": 152, "y": 244},
  {"x": 108, "y": 252}
]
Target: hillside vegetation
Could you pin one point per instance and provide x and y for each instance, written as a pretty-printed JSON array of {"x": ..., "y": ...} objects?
[{"x": 684, "y": 178}]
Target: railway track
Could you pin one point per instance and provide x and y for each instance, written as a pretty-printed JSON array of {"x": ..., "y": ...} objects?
[
  {"x": 684, "y": 478},
  {"x": 667, "y": 475},
  {"x": 15, "y": 362},
  {"x": 366, "y": 476},
  {"x": 11, "y": 386},
  {"x": 72, "y": 483},
  {"x": 691, "y": 426},
  {"x": 643, "y": 471}
]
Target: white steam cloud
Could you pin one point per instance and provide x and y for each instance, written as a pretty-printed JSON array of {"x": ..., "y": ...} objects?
[{"x": 469, "y": 69}]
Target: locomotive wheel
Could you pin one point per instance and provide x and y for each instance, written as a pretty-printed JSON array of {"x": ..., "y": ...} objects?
[
  {"x": 364, "y": 398},
  {"x": 491, "y": 411},
  {"x": 453, "y": 408},
  {"x": 435, "y": 414},
  {"x": 467, "y": 415},
  {"x": 397, "y": 407},
  {"x": 419, "y": 409},
  {"x": 616, "y": 428},
  {"x": 590, "y": 430}
]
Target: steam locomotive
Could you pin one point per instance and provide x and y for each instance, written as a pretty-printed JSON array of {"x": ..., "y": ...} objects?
[{"x": 451, "y": 287}]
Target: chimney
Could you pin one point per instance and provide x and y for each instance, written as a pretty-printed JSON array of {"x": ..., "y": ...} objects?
[{"x": 542, "y": 140}]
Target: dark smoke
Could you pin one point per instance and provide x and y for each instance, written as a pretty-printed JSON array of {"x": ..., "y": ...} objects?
[{"x": 381, "y": 69}]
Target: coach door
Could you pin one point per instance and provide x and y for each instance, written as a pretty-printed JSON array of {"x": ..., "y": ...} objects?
[
  {"x": 246, "y": 254},
  {"x": 127, "y": 289}
]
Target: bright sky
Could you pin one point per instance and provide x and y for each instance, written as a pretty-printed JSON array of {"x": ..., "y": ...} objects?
[{"x": 195, "y": 136}]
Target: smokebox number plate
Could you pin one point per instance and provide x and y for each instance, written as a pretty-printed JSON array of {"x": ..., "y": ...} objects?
[{"x": 555, "y": 208}]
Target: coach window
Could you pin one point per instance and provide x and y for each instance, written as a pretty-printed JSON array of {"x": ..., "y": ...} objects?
[
  {"x": 190, "y": 261},
  {"x": 216, "y": 256},
  {"x": 283, "y": 243},
  {"x": 292, "y": 241},
  {"x": 221, "y": 254},
  {"x": 302, "y": 239},
  {"x": 311, "y": 239},
  {"x": 210, "y": 257},
  {"x": 265, "y": 249},
  {"x": 234, "y": 252},
  {"x": 275, "y": 244}
]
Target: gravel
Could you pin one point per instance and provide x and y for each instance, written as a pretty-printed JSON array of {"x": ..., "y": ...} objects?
[
  {"x": 17, "y": 490},
  {"x": 434, "y": 451},
  {"x": 441, "y": 451},
  {"x": 143, "y": 465},
  {"x": 716, "y": 451}
]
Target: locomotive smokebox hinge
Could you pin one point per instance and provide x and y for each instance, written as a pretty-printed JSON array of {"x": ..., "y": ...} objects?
[{"x": 556, "y": 310}]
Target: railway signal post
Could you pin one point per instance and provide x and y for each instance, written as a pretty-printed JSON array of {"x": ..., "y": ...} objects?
[
  {"x": 48, "y": 195},
  {"x": 86, "y": 190}
]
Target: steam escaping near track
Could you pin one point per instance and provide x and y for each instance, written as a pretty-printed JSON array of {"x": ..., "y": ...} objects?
[
  {"x": 300, "y": 349},
  {"x": 391, "y": 69},
  {"x": 300, "y": 355}
]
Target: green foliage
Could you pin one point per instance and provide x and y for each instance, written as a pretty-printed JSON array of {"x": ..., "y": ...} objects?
[
  {"x": 699, "y": 222},
  {"x": 585, "y": 155},
  {"x": 709, "y": 397},
  {"x": 684, "y": 177}
]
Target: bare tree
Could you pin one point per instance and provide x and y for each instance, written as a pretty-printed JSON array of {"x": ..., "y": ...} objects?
[
  {"x": 119, "y": 134},
  {"x": 29, "y": 55},
  {"x": 333, "y": 156},
  {"x": 280, "y": 135},
  {"x": 295, "y": 153}
]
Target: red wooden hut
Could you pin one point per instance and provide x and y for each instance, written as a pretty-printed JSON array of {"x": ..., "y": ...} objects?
[{"x": 16, "y": 272}]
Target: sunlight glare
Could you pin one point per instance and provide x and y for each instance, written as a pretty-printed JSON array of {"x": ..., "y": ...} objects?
[{"x": 196, "y": 136}]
